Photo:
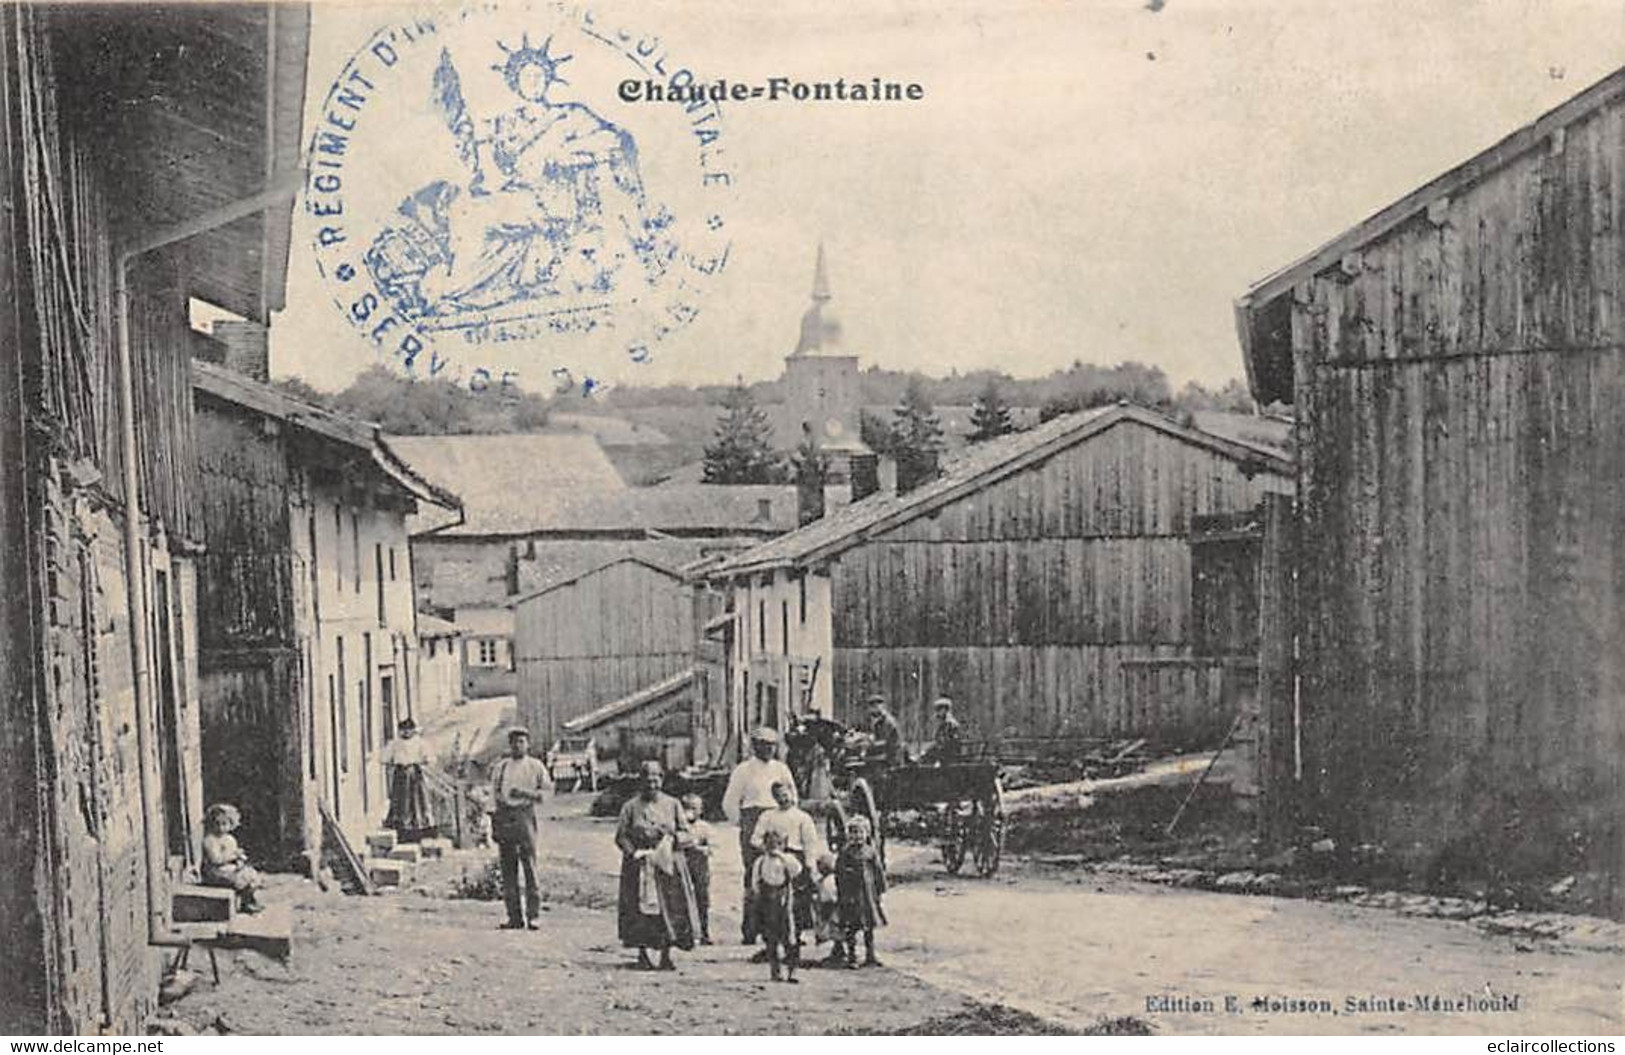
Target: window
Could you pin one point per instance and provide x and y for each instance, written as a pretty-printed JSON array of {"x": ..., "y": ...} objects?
[
  {"x": 488, "y": 652},
  {"x": 801, "y": 581},
  {"x": 431, "y": 647},
  {"x": 355, "y": 548},
  {"x": 378, "y": 565},
  {"x": 338, "y": 546},
  {"x": 761, "y": 626},
  {"x": 392, "y": 564},
  {"x": 784, "y": 627}
]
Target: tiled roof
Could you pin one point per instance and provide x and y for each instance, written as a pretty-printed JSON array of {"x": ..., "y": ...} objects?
[
  {"x": 459, "y": 584},
  {"x": 974, "y": 468},
  {"x": 511, "y": 482}
]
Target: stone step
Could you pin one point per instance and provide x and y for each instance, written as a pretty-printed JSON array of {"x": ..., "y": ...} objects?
[
  {"x": 193, "y": 903},
  {"x": 384, "y": 871},
  {"x": 381, "y": 842},
  {"x": 406, "y": 852},
  {"x": 269, "y": 931},
  {"x": 436, "y": 847}
]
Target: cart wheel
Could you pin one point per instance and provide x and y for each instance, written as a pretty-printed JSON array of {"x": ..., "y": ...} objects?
[
  {"x": 863, "y": 804},
  {"x": 987, "y": 831}
]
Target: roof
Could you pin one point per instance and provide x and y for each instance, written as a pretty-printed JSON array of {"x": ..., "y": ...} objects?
[
  {"x": 434, "y": 626},
  {"x": 687, "y": 508},
  {"x": 511, "y": 482},
  {"x": 630, "y": 703},
  {"x": 463, "y": 584},
  {"x": 200, "y": 106},
  {"x": 589, "y": 573},
  {"x": 975, "y": 469},
  {"x": 360, "y": 436},
  {"x": 1263, "y": 314}
]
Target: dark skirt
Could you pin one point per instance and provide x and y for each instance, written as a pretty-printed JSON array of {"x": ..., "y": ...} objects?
[
  {"x": 677, "y": 921},
  {"x": 409, "y": 809},
  {"x": 858, "y": 895}
]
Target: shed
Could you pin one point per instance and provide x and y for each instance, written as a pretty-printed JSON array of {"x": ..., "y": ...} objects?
[
  {"x": 599, "y": 637},
  {"x": 1456, "y": 364},
  {"x": 1046, "y": 582}
]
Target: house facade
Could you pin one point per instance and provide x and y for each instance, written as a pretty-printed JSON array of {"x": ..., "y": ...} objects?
[
  {"x": 1456, "y": 364},
  {"x": 115, "y": 221},
  {"x": 440, "y": 668},
  {"x": 308, "y": 636},
  {"x": 1045, "y": 582}
]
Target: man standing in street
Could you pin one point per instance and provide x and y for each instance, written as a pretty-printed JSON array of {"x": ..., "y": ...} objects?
[
  {"x": 518, "y": 783},
  {"x": 749, "y": 795}
]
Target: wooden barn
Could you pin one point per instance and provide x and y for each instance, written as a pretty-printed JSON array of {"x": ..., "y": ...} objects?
[
  {"x": 135, "y": 153},
  {"x": 1048, "y": 581},
  {"x": 599, "y": 638},
  {"x": 308, "y": 654},
  {"x": 1457, "y": 367}
]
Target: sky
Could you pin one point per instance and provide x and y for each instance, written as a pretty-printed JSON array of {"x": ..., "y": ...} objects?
[{"x": 1092, "y": 181}]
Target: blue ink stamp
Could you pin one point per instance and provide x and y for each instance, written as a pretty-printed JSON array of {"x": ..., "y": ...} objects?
[{"x": 477, "y": 186}]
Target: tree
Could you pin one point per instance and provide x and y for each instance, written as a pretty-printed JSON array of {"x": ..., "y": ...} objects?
[
  {"x": 990, "y": 415},
  {"x": 743, "y": 451},
  {"x": 916, "y": 440}
]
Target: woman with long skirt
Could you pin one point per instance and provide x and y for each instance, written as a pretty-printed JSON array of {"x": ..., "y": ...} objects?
[
  {"x": 656, "y": 908},
  {"x": 405, "y": 758}
]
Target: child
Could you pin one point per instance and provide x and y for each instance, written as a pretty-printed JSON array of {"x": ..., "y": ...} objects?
[
  {"x": 697, "y": 851},
  {"x": 859, "y": 882},
  {"x": 224, "y": 863},
  {"x": 827, "y": 910},
  {"x": 772, "y": 886}
]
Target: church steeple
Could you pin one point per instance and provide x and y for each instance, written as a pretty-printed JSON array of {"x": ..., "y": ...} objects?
[
  {"x": 820, "y": 329},
  {"x": 820, "y": 290}
]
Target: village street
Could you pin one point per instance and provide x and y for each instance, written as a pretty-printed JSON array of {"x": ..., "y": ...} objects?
[{"x": 418, "y": 962}]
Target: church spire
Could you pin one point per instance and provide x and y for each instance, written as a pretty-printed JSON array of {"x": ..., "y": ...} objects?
[
  {"x": 820, "y": 290},
  {"x": 820, "y": 330}
]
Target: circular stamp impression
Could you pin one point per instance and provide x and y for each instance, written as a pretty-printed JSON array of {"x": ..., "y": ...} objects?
[{"x": 479, "y": 194}]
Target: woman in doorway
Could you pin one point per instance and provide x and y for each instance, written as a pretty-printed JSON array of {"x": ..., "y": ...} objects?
[{"x": 406, "y": 758}]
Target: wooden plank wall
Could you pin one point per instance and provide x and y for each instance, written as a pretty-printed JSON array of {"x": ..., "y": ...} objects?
[
  {"x": 612, "y": 632},
  {"x": 1462, "y": 411},
  {"x": 1024, "y": 600}
]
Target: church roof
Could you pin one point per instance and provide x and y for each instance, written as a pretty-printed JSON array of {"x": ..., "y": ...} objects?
[{"x": 820, "y": 329}]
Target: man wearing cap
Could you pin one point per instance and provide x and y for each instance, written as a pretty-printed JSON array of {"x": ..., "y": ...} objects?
[
  {"x": 887, "y": 734},
  {"x": 948, "y": 741},
  {"x": 518, "y": 783},
  {"x": 749, "y": 795}
]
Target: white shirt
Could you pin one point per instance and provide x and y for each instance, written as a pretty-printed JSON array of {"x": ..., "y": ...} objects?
[
  {"x": 750, "y": 787},
  {"x": 511, "y": 773},
  {"x": 406, "y": 751},
  {"x": 799, "y": 830}
]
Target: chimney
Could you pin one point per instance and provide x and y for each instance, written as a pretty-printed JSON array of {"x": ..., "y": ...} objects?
[
  {"x": 865, "y": 476},
  {"x": 248, "y": 347},
  {"x": 809, "y": 498},
  {"x": 916, "y": 469},
  {"x": 764, "y": 511}
]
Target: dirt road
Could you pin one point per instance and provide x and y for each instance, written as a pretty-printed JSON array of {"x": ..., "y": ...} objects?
[{"x": 1072, "y": 948}]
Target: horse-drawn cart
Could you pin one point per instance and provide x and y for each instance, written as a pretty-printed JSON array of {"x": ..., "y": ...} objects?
[{"x": 961, "y": 802}]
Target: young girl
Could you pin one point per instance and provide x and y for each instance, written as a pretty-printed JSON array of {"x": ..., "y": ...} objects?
[
  {"x": 860, "y": 881},
  {"x": 224, "y": 863},
  {"x": 772, "y": 889},
  {"x": 698, "y": 853}
]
